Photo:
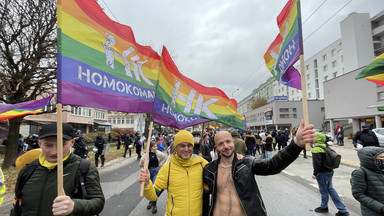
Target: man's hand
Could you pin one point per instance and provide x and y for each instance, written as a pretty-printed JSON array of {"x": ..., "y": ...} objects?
[
  {"x": 239, "y": 156},
  {"x": 305, "y": 134},
  {"x": 313, "y": 176},
  {"x": 63, "y": 205},
  {"x": 144, "y": 176}
]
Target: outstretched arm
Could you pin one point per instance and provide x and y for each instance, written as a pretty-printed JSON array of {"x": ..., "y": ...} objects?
[{"x": 305, "y": 134}]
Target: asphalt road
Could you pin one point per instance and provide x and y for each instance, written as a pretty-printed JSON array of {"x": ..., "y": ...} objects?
[{"x": 293, "y": 192}]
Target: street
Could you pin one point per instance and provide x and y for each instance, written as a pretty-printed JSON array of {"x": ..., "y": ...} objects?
[{"x": 293, "y": 192}]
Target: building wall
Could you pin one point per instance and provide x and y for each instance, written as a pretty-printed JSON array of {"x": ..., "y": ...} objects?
[
  {"x": 346, "y": 97},
  {"x": 356, "y": 36}
]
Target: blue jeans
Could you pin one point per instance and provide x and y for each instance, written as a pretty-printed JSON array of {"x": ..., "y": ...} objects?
[
  {"x": 326, "y": 189},
  {"x": 268, "y": 154},
  {"x": 153, "y": 173}
]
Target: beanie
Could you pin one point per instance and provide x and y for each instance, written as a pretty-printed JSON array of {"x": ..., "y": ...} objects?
[{"x": 183, "y": 136}]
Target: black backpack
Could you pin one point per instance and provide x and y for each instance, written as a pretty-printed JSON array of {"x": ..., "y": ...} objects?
[
  {"x": 332, "y": 158},
  {"x": 80, "y": 191}
]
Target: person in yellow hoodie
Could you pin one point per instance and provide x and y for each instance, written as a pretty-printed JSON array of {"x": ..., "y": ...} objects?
[{"x": 182, "y": 176}]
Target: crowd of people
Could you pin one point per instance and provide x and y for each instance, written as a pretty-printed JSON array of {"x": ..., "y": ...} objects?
[{"x": 204, "y": 173}]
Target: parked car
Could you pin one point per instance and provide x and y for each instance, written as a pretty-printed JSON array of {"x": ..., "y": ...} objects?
[{"x": 380, "y": 135}]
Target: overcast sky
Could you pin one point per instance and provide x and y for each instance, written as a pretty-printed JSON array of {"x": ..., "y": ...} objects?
[{"x": 221, "y": 43}]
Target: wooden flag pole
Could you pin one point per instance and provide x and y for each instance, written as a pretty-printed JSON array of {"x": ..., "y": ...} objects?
[
  {"x": 60, "y": 189},
  {"x": 201, "y": 139},
  {"x": 146, "y": 161},
  {"x": 304, "y": 96}
]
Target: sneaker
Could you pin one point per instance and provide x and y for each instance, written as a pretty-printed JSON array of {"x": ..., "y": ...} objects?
[
  {"x": 149, "y": 206},
  {"x": 321, "y": 210},
  {"x": 154, "y": 209},
  {"x": 342, "y": 213}
]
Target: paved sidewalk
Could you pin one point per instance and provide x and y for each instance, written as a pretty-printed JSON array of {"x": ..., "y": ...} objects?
[{"x": 348, "y": 154}]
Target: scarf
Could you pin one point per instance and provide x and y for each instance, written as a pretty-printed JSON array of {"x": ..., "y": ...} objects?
[{"x": 45, "y": 163}]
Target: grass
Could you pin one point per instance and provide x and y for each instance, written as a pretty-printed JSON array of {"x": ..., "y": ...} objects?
[{"x": 10, "y": 175}]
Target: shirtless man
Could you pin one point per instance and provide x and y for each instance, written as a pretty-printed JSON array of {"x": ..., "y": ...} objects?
[{"x": 225, "y": 194}]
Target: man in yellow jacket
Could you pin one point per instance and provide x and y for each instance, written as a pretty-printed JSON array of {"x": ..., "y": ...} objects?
[{"x": 182, "y": 176}]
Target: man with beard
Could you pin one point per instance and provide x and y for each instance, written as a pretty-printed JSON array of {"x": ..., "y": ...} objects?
[{"x": 225, "y": 194}]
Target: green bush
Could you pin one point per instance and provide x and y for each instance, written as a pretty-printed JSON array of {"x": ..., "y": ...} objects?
[{"x": 90, "y": 138}]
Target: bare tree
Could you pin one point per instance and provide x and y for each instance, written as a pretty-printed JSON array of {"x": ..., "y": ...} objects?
[{"x": 27, "y": 57}]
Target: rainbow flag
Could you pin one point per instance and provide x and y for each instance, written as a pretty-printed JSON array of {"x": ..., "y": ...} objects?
[
  {"x": 211, "y": 127},
  {"x": 8, "y": 111},
  {"x": 374, "y": 72},
  {"x": 217, "y": 127},
  {"x": 100, "y": 65},
  {"x": 181, "y": 101},
  {"x": 287, "y": 47}
]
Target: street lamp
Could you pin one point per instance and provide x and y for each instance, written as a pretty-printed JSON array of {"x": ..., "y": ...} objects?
[{"x": 233, "y": 92}]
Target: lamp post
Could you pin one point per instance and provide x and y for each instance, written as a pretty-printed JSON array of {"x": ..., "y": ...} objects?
[{"x": 233, "y": 92}]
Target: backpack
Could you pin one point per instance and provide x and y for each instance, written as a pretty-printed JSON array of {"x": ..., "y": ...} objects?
[
  {"x": 367, "y": 139},
  {"x": 332, "y": 158},
  {"x": 80, "y": 191}
]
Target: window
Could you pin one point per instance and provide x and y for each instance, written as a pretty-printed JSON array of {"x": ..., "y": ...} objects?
[
  {"x": 381, "y": 95},
  {"x": 308, "y": 85},
  {"x": 122, "y": 120},
  {"x": 325, "y": 57},
  {"x": 325, "y": 78},
  {"x": 325, "y": 68},
  {"x": 315, "y": 63},
  {"x": 334, "y": 64},
  {"x": 333, "y": 52},
  {"x": 114, "y": 120},
  {"x": 317, "y": 93},
  {"x": 284, "y": 116},
  {"x": 284, "y": 109},
  {"x": 317, "y": 83},
  {"x": 127, "y": 120},
  {"x": 294, "y": 110},
  {"x": 132, "y": 120},
  {"x": 334, "y": 75},
  {"x": 81, "y": 111},
  {"x": 307, "y": 67},
  {"x": 307, "y": 76},
  {"x": 294, "y": 115},
  {"x": 342, "y": 59},
  {"x": 99, "y": 115},
  {"x": 309, "y": 95},
  {"x": 322, "y": 109},
  {"x": 316, "y": 74}
]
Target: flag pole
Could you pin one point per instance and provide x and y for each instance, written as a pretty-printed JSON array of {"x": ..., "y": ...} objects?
[
  {"x": 60, "y": 189},
  {"x": 146, "y": 161},
  {"x": 304, "y": 96},
  {"x": 202, "y": 137}
]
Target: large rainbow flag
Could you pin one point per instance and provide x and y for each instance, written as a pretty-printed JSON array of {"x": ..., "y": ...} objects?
[
  {"x": 287, "y": 47},
  {"x": 181, "y": 101},
  {"x": 100, "y": 65},
  {"x": 374, "y": 72},
  {"x": 8, "y": 111}
]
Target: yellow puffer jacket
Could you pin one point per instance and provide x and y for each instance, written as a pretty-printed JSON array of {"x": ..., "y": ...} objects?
[{"x": 185, "y": 187}]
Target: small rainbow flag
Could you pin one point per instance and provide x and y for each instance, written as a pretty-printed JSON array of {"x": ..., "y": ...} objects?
[
  {"x": 182, "y": 101},
  {"x": 100, "y": 65},
  {"x": 8, "y": 111},
  {"x": 287, "y": 47},
  {"x": 217, "y": 127},
  {"x": 374, "y": 72}
]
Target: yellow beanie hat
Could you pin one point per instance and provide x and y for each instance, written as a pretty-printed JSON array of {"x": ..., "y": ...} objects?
[{"x": 183, "y": 136}]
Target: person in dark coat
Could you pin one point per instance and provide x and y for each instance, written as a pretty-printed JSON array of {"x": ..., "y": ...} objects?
[
  {"x": 127, "y": 144},
  {"x": 367, "y": 182},
  {"x": 99, "y": 144},
  {"x": 365, "y": 137}
]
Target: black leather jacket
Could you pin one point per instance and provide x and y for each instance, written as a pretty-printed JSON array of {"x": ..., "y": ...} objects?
[{"x": 243, "y": 172}]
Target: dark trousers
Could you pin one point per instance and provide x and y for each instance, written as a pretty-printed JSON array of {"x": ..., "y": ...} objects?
[
  {"x": 97, "y": 159},
  {"x": 125, "y": 151},
  {"x": 118, "y": 144}
]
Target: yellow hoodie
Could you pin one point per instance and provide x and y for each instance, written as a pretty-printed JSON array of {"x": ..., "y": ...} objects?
[{"x": 185, "y": 187}]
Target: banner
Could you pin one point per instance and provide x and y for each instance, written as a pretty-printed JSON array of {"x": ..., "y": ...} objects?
[
  {"x": 181, "y": 101},
  {"x": 8, "y": 111},
  {"x": 100, "y": 65},
  {"x": 287, "y": 47}
]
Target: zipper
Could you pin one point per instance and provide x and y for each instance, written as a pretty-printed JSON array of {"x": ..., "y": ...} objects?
[
  {"x": 261, "y": 203},
  {"x": 213, "y": 192},
  {"x": 233, "y": 178},
  {"x": 189, "y": 192},
  {"x": 173, "y": 204}
]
